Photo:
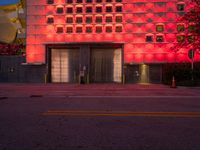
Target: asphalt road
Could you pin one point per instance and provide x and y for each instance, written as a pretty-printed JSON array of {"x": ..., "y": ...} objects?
[{"x": 159, "y": 122}]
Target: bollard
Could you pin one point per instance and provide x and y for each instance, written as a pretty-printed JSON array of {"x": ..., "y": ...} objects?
[
  {"x": 88, "y": 78},
  {"x": 123, "y": 79},
  {"x": 45, "y": 78},
  {"x": 79, "y": 79}
]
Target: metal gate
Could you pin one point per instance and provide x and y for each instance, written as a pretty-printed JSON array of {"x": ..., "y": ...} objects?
[
  {"x": 64, "y": 65},
  {"x": 106, "y": 65}
]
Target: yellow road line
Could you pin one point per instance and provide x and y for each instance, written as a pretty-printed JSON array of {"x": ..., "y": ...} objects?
[{"x": 120, "y": 113}]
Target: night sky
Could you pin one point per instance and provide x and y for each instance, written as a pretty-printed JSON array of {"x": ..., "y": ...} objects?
[{"x": 7, "y": 2}]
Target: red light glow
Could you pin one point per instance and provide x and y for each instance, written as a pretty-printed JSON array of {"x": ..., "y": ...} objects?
[{"x": 130, "y": 26}]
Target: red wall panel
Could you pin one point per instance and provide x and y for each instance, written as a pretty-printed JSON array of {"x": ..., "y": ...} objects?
[{"x": 139, "y": 20}]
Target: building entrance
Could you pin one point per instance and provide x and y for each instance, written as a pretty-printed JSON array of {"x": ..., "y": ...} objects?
[
  {"x": 64, "y": 65},
  {"x": 84, "y": 63},
  {"x": 143, "y": 73},
  {"x": 106, "y": 65}
]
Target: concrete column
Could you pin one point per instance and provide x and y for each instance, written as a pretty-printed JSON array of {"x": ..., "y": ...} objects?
[{"x": 85, "y": 61}]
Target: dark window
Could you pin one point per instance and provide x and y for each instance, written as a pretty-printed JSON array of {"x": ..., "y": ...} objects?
[
  {"x": 69, "y": 1},
  {"x": 88, "y": 19},
  {"x": 69, "y": 10},
  {"x": 108, "y": 19},
  {"x": 88, "y": 1},
  {"x": 98, "y": 9},
  {"x": 98, "y": 1},
  {"x": 118, "y": 29},
  {"x": 50, "y": 20},
  {"x": 191, "y": 39},
  {"x": 180, "y": 38},
  {"x": 191, "y": 28},
  {"x": 108, "y": 1},
  {"x": 98, "y": 29},
  {"x": 149, "y": 38},
  {"x": 79, "y": 10},
  {"x": 118, "y": 9},
  {"x": 59, "y": 10},
  {"x": 59, "y": 30},
  {"x": 98, "y": 19},
  {"x": 118, "y": 19},
  {"x": 89, "y": 29},
  {"x": 118, "y": 0},
  {"x": 79, "y": 1},
  {"x": 88, "y": 9},
  {"x": 69, "y": 20},
  {"x": 79, "y": 30},
  {"x": 69, "y": 30},
  {"x": 159, "y": 38},
  {"x": 108, "y": 9},
  {"x": 108, "y": 29},
  {"x": 50, "y": 1},
  {"x": 180, "y": 28},
  {"x": 180, "y": 7},
  {"x": 79, "y": 20},
  {"x": 159, "y": 28}
]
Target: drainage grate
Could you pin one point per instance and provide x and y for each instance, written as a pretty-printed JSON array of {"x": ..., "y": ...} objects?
[{"x": 35, "y": 96}]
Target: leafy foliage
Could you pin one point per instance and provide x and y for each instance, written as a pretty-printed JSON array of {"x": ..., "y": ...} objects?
[
  {"x": 191, "y": 19},
  {"x": 12, "y": 49}
]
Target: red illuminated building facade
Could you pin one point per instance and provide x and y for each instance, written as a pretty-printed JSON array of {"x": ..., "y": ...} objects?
[{"x": 105, "y": 40}]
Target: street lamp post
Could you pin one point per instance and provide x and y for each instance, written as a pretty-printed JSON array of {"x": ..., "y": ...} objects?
[{"x": 191, "y": 56}]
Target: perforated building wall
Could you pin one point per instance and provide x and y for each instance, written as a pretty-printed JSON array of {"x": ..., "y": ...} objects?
[{"x": 148, "y": 28}]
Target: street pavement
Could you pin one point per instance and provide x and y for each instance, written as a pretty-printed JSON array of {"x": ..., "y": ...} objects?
[
  {"x": 99, "y": 117},
  {"x": 64, "y": 90}
]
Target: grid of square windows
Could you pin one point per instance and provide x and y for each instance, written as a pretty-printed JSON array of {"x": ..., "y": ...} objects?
[
  {"x": 98, "y": 19},
  {"x": 118, "y": 29},
  {"x": 180, "y": 7},
  {"x": 50, "y": 1},
  {"x": 159, "y": 28},
  {"x": 69, "y": 20},
  {"x": 89, "y": 18},
  {"x": 69, "y": 1},
  {"x": 59, "y": 30},
  {"x": 50, "y": 20},
  {"x": 89, "y": 21},
  {"x": 88, "y": 29},
  {"x": 98, "y": 29},
  {"x": 87, "y": 1},
  {"x": 69, "y": 30},
  {"x": 88, "y": 9},
  {"x": 59, "y": 10},
  {"x": 79, "y": 19},
  {"x": 159, "y": 38},
  {"x": 180, "y": 28},
  {"x": 149, "y": 38}
]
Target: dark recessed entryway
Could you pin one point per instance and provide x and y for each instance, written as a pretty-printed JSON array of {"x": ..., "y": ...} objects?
[
  {"x": 106, "y": 65},
  {"x": 143, "y": 73},
  {"x": 85, "y": 63}
]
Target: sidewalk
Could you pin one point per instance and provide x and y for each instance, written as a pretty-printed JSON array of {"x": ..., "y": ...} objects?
[{"x": 50, "y": 89}]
